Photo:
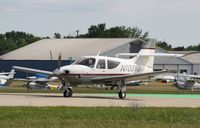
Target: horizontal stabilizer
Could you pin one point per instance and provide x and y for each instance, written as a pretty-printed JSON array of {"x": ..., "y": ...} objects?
[{"x": 154, "y": 54}]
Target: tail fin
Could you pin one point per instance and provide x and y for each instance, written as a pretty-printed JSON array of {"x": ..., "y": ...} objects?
[
  {"x": 145, "y": 58},
  {"x": 11, "y": 75}
]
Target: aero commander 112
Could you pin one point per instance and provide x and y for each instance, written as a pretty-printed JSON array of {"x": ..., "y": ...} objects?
[{"x": 103, "y": 70}]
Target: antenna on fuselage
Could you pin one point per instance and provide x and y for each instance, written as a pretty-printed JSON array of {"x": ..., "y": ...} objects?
[
  {"x": 59, "y": 60},
  {"x": 99, "y": 52}
]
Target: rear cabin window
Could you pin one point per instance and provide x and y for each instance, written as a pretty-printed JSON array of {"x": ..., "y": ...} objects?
[
  {"x": 112, "y": 64},
  {"x": 101, "y": 64}
]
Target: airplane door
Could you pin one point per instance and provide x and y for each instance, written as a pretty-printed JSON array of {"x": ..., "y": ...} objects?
[{"x": 101, "y": 66}]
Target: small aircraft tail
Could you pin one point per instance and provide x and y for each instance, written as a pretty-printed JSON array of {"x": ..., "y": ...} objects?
[
  {"x": 11, "y": 74},
  {"x": 145, "y": 58}
]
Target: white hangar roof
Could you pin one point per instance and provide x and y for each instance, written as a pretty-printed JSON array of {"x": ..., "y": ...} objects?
[
  {"x": 192, "y": 57},
  {"x": 74, "y": 48}
]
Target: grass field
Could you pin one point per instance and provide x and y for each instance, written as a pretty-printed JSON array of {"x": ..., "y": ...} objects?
[
  {"x": 151, "y": 88},
  {"x": 143, "y": 89},
  {"x": 99, "y": 117},
  {"x": 80, "y": 117}
]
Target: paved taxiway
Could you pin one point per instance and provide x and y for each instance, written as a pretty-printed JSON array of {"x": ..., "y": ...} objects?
[{"x": 97, "y": 100}]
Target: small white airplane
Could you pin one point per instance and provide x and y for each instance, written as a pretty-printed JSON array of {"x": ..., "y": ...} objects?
[
  {"x": 103, "y": 70},
  {"x": 185, "y": 81},
  {"x": 166, "y": 78},
  {"x": 5, "y": 77},
  {"x": 40, "y": 81}
]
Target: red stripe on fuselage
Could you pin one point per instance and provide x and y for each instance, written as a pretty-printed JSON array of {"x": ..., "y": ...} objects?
[{"x": 95, "y": 74}]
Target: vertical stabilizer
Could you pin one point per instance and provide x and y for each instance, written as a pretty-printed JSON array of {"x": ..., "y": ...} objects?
[
  {"x": 11, "y": 74},
  {"x": 145, "y": 58}
]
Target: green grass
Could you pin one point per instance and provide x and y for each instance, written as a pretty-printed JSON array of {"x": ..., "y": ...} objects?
[
  {"x": 24, "y": 90},
  {"x": 81, "y": 117},
  {"x": 152, "y": 90}
]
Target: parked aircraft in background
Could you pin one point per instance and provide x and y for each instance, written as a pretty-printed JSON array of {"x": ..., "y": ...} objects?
[
  {"x": 185, "y": 81},
  {"x": 166, "y": 78},
  {"x": 5, "y": 78},
  {"x": 41, "y": 81},
  {"x": 103, "y": 70}
]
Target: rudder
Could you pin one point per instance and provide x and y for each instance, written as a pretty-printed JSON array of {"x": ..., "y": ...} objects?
[{"x": 145, "y": 58}]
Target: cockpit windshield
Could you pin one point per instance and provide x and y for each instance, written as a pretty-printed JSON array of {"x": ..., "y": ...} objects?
[{"x": 90, "y": 62}]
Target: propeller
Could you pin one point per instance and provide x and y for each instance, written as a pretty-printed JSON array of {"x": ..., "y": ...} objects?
[
  {"x": 57, "y": 71},
  {"x": 59, "y": 60}
]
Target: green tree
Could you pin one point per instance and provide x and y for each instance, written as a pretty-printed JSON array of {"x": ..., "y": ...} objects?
[
  {"x": 100, "y": 31},
  {"x": 14, "y": 39},
  {"x": 193, "y": 48},
  {"x": 57, "y": 35},
  {"x": 164, "y": 45},
  {"x": 179, "y": 48}
]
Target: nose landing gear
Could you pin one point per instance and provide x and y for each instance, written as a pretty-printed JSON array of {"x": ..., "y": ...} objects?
[{"x": 68, "y": 92}]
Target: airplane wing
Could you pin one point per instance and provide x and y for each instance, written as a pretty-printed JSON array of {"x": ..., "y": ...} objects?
[
  {"x": 189, "y": 76},
  {"x": 131, "y": 77},
  {"x": 193, "y": 76},
  {"x": 33, "y": 80},
  {"x": 31, "y": 70},
  {"x": 4, "y": 73},
  {"x": 47, "y": 80}
]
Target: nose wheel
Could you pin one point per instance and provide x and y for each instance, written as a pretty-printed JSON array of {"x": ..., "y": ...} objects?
[{"x": 68, "y": 92}]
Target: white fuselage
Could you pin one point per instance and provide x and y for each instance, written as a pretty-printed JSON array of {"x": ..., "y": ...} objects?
[{"x": 80, "y": 72}]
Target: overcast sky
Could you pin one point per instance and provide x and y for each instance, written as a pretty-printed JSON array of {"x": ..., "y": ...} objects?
[{"x": 175, "y": 21}]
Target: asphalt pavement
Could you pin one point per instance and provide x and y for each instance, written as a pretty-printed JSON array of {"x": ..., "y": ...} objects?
[{"x": 100, "y": 100}]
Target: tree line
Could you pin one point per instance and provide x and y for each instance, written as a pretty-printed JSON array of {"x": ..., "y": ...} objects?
[
  {"x": 15, "y": 39},
  {"x": 101, "y": 31},
  {"x": 166, "y": 46}
]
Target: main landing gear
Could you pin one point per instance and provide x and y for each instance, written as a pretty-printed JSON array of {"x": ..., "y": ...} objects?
[{"x": 122, "y": 89}]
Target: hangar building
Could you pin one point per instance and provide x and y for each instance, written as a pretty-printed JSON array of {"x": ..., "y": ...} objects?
[
  {"x": 188, "y": 63},
  {"x": 49, "y": 49},
  {"x": 43, "y": 54}
]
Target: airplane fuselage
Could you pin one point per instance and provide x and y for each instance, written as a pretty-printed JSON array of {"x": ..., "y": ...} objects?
[
  {"x": 83, "y": 73},
  {"x": 102, "y": 70}
]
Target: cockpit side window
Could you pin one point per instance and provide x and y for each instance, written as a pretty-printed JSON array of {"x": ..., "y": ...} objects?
[
  {"x": 101, "y": 64},
  {"x": 86, "y": 61},
  {"x": 112, "y": 64}
]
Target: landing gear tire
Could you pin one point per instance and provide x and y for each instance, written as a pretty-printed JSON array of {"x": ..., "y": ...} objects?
[
  {"x": 68, "y": 92},
  {"x": 122, "y": 95}
]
